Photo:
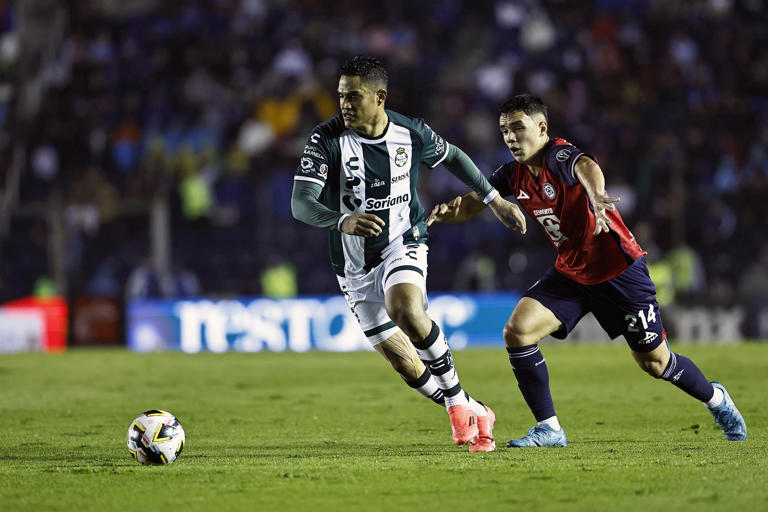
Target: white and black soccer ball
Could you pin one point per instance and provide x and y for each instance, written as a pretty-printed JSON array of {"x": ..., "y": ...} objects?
[{"x": 155, "y": 437}]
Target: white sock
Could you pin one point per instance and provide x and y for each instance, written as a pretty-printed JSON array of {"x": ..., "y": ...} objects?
[
  {"x": 426, "y": 385},
  {"x": 437, "y": 356},
  {"x": 552, "y": 422},
  {"x": 458, "y": 399},
  {"x": 477, "y": 407},
  {"x": 716, "y": 399}
]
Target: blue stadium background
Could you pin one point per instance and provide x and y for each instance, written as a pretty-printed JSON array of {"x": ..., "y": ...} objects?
[{"x": 147, "y": 148}]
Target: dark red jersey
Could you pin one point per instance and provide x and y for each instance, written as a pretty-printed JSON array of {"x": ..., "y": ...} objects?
[{"x": 560, "y": 205}]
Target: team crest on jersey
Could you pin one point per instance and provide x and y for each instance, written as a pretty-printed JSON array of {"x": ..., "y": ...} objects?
[
  {"x": 401, "y": 157},
  {"x": 549, "y": 190}
]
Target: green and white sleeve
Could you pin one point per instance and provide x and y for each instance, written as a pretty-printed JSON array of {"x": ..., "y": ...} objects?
[
  {"x": 465, "y": 169},
  {"x": 306, "y": 207}
]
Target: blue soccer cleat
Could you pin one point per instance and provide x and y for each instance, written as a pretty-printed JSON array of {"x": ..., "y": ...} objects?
[
  {"x": 540, "y": 435},
  {"x": 728, "y": 417}
]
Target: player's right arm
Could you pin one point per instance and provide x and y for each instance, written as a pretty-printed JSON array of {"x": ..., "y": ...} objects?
[
  {"x": 308, "y": 184},
  {"x": 589, "y": 174},
  {"x": 306, "y": 207}
]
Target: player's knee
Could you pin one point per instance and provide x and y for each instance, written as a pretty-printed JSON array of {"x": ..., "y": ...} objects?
[
  {"x": 517, "y": 333},
  {"x": 407, "y": 316},
  {"x": 654, "y": 368}
]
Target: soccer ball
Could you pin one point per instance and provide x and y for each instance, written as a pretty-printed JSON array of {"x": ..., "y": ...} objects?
[{"x": 155, "y": 437}]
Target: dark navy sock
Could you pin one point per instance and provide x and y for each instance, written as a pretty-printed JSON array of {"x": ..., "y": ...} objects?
[
  {"x": 532, "y": 379},
  {"x": 683, "y": 373}
]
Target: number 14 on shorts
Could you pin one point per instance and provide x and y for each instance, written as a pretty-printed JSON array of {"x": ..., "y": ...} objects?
[{"x": 645, "y": 319}]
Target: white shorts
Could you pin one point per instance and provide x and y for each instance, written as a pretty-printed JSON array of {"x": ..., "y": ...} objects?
[{"x": 365, "y": 295}]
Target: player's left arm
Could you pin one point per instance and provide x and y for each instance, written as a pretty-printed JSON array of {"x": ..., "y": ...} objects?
[
  {"x": 592, "y": 179},
  {"x": 465, "y": 169}
]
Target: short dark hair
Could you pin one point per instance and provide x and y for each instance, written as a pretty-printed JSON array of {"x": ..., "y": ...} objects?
[
  {"x": 527, "y": 103},
  {"x": 369, "y": 69}
]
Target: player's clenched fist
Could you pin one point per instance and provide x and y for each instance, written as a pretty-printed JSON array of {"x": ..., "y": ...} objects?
[{"x": 362, "y": 224}]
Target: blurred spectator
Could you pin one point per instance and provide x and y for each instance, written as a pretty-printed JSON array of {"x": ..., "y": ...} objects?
[
  {"x": 147, "y": 281},
  {"x": 209, "y": 104},
  {"x": 278, "y": 280}
]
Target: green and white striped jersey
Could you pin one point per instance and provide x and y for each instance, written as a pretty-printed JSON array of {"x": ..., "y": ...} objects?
[{"x": 376, "y": 176}]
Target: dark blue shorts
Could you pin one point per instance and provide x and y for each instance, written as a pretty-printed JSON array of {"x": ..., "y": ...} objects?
[{"x": 625, "y": 305}]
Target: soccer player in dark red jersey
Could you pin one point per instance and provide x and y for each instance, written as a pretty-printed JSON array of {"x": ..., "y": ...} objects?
[{"x": 600, "y": 268}]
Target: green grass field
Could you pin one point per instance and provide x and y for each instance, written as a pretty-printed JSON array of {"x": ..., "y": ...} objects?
[{"x": 329, "y": 432}]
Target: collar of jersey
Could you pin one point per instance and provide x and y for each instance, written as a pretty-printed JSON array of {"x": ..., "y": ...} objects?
[{"x": 369, "y": 140}]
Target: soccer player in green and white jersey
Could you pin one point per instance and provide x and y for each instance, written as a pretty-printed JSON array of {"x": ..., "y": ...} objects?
[{"x": 357, "y": 179}]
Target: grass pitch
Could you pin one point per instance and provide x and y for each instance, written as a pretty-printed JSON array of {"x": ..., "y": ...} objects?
[{"x": 329, "y": 432}]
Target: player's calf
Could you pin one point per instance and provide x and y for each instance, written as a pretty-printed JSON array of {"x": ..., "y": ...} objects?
[
  {"x": 401, "y": 354},
  {"x": 683, "y": 373}
]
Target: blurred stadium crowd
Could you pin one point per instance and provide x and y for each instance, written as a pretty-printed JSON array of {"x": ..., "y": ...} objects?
[{"x": 202, "y": 108}]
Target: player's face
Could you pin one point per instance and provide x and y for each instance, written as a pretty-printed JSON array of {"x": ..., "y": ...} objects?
[
  {"x": 360, "y": 103},
  {"x": 524, "y": 135}
]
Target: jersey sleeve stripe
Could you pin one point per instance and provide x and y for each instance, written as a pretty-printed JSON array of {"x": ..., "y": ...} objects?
[
  {"x": 307, "y": 178},
  {"x": 491, "y": 196},
  {"x": 338, "y": 224},
  {"x": 573, "y": 166},
  {"x": 447, "y": 149}
]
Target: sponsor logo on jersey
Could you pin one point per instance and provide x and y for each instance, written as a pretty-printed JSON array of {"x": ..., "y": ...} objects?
[
  {"x": 439, "y": 145},
  {"x": 352, "y": 181},
  {"x": 401, "y": 177},
  {"x": 649, "y": 337},
  {"x": 351, "y": 164},
  {"x": 388, "y": 202},
  {"x": 562, "y": 155},
  {"x": 552, "y": 226},
  {"x": 438, "y": 140},
  {"x": 401, "y": 157},
  {"x": 522, "y": 195},
  {"x": 351, "y": 202},
  {"x": 306, "y": 165},
  {"x": 313, "y": 152},
  {"x": 378, "y": 183},
  {"x": 549, "y": 190}
]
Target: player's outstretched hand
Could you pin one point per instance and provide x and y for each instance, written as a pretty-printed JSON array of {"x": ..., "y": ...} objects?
[
  {"x": 445, "y": 212},
  {"x": 601, "y": 203},
  {"x": 509, "y": 214},
  {"x": 362, "y": 224}
]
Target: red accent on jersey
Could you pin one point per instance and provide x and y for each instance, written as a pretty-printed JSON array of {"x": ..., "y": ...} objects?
[{"x": 560, "y": 205}]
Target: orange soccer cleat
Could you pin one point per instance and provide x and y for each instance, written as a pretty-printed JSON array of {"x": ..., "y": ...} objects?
[
  {"x": 463, "y": 424},
  {"x": 485, "y": 442}
]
